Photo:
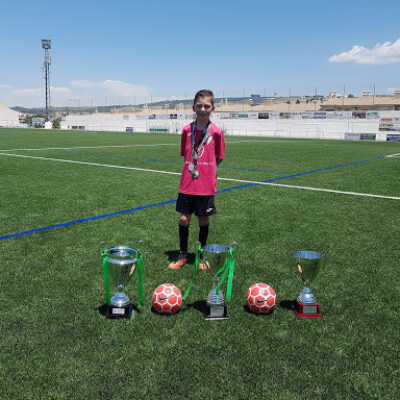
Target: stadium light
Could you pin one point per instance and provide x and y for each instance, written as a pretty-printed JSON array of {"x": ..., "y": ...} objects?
[{"x": 46, "y": 45}]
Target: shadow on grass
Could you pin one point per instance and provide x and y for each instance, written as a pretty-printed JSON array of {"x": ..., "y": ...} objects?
[
  {"x": 173, "y": 254},
  {"x": 287, "y": 304},
  {"x": 199, "y": 305},
  {"x": 183, "y": 309},
  {"x": 247, "y": 309},
  {"x": 103, "y": 309}
]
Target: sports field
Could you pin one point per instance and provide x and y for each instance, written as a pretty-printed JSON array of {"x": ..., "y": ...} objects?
[{"x": 62, "y": 193}]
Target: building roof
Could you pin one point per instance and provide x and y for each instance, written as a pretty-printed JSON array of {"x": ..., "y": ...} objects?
[{"x": 359, "y": 102}]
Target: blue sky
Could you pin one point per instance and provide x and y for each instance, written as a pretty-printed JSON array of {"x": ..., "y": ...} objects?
[{"x": 124, "y": 52}]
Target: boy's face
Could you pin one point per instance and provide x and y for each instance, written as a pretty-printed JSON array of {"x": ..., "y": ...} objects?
[{"x": 203, "y": 107}]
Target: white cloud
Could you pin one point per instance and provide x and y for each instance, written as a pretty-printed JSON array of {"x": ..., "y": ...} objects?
[
  {"x": 83, "y": 83},
  {"x": 27, "y": 91},
  {"x": 381, "y": 54},
  {"x": 108, "y": 92},
  {"x": 78, "y": 92},
  {"x": 62, "y": 90}
]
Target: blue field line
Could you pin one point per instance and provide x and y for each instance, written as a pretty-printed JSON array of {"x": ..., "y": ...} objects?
[
  {"x": 79, "y": 221},
  {"x": 160, "y": 161},
  {"x": 300, "y": 174}
]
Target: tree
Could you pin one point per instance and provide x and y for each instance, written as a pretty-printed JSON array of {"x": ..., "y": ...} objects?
[
  {"x": 350, "y": 96},
  {"x": 56, "y": 123}
]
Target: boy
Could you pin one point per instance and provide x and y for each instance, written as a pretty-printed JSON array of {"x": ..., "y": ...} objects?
[{"x": 203, "y": 147}]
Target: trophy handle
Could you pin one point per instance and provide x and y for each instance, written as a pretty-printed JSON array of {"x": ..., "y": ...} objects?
[
  {"x": 106, "y": 282},
  {"x": 102, "y": 247}
]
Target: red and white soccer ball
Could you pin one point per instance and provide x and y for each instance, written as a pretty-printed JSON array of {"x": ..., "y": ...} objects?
[
  {"x": 167, "y": 299},
  {"x": 261, "y": 298}
]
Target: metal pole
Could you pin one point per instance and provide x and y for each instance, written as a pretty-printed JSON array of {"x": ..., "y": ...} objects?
[
  {"x": 373, "y": 98},
  {"x": 344, "y": 93}
]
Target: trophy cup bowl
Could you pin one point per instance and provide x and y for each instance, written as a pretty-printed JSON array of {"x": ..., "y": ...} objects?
[
  {"x": 308, "y": 266},
  {"x": 121, "y": 263},
  {"x": 215, "y": 256}
]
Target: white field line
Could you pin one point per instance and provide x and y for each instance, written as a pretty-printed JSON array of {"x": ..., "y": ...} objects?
[
  {"x": 90, "y": 163},
  {"x": 314, "y": 189},
  {"x": 123, "y": 146},
  {"x": 92, "y": 147},
  {"x": 220, "y": 179},
  {"x": 393, "y": 155}
]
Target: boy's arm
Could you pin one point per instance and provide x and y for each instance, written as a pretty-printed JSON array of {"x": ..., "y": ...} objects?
[
  {"x": 183, "y": 142},
  {"x": 219, "y": 148}
]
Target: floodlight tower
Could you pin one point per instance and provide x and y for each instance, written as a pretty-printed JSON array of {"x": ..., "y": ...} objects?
[{"x": 46, "y": 44}]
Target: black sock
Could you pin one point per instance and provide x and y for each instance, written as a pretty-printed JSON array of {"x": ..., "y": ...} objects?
[
  {"x": 183, "y": 238},
  {"x": 203, "y": 234}
]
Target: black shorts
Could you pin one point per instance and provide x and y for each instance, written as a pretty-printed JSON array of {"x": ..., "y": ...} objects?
[{"x": 202, "y": 206}]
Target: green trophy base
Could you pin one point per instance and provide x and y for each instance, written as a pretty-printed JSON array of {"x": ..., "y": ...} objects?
[
  {"x": 114, "y": 312},
  {"x": 216, "y": 312}
]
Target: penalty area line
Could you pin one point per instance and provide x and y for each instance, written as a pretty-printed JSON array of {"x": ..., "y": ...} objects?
[
  {"x": 393, "y": 155},
  {"x": 93, "y": 147},
  {"x": 247, "y": 183},
  {"x": 90, "y": 163},
  {"x": 254, "y": 183}
]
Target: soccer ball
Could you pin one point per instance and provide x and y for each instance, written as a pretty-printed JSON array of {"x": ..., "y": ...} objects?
[
  {"x": 167, "y": 299},
  {"x": 260, "y": 298}
]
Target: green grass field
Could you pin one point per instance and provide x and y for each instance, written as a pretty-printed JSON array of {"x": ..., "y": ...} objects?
[{"x": 56, "y": 344}]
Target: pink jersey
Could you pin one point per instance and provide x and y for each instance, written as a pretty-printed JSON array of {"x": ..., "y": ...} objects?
[{"x": 213, "y": 149}]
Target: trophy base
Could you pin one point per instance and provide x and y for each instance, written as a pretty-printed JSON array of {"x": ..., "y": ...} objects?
[
  {"x": 114, "y": 312},
  {"x": 216, "y": 313},
  {"x": 307, "y": 310}
]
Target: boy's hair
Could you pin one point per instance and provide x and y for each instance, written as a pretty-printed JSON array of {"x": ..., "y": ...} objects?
[{"x": 204, "y": 93}]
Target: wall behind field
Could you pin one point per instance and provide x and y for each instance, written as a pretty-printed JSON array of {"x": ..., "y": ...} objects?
[{"x": 360, "y": 125}]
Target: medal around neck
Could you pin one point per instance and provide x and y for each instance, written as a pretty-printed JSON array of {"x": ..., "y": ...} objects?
[
  {"x": 193, "y": 171},
  {"x": 119, "y": 265},
  {"x": 196, "y": 150},
  {"x": 308, "y": 265}
]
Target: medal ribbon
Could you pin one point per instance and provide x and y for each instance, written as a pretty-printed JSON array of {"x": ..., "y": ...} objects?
[{"x": 203, "y": 138}]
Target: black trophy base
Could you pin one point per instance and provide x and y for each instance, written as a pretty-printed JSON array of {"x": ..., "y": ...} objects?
[
  {"x": 114, "y": 312},
  {"x": 215, "y": 313}
]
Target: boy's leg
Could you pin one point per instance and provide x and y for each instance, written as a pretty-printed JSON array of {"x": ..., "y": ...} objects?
[
  {"x": 203, "y": 234},
  {"x": 181, "y": 260},
  {"x": 185, "y": 206},
  {"x": 203, "y": 230},
  {"x": 204, "y": 208},
  {"x": 184, "y": 223}
]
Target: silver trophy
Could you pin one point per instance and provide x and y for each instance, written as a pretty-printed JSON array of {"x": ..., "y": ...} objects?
[
  {"x": 308, "y": 266},
  {"x": 215, "y": 256},
  {"x": 119, "y": 264}
]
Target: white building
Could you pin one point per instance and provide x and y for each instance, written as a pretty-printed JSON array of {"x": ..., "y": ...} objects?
[
  {"x": 8, "y": 117},
  {"x": 312, "y": 125}
]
